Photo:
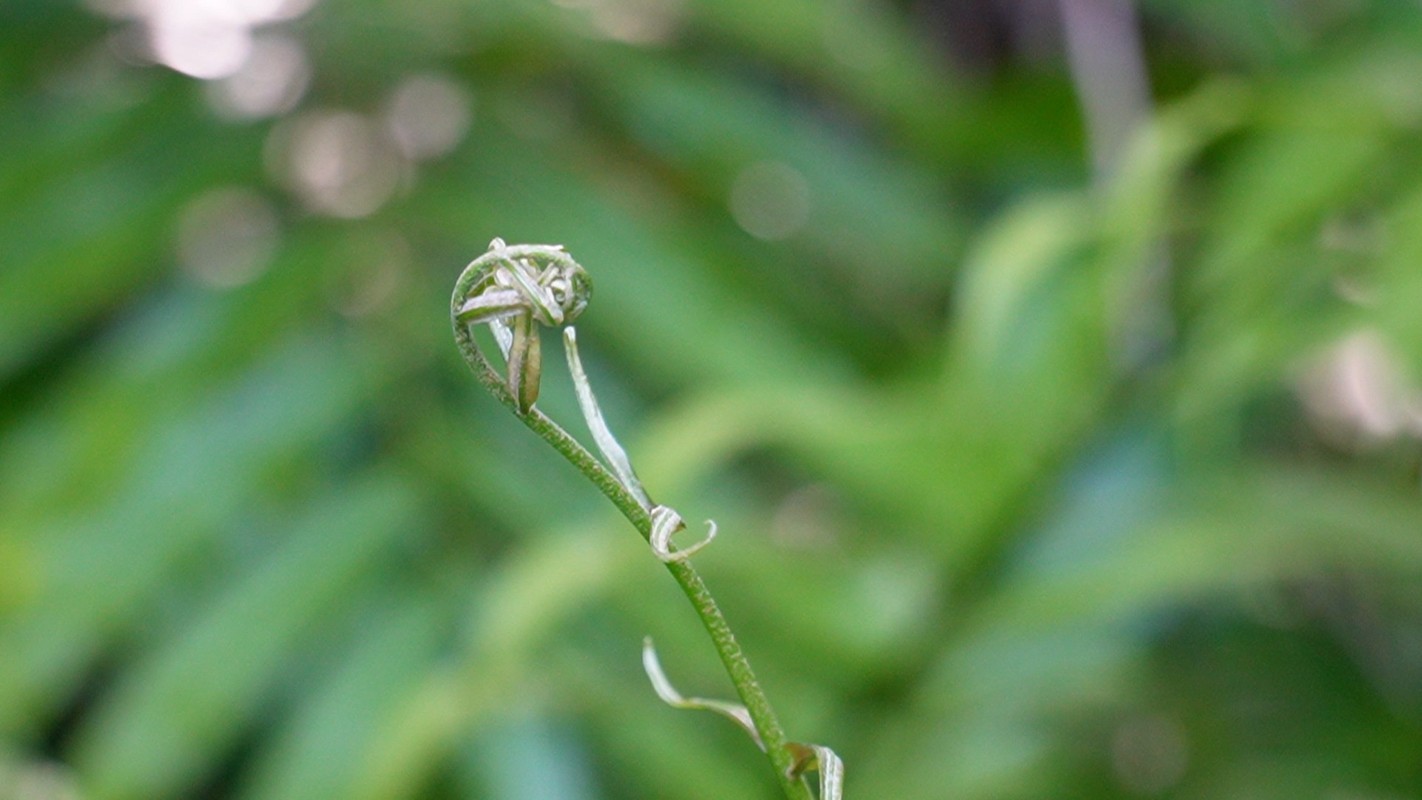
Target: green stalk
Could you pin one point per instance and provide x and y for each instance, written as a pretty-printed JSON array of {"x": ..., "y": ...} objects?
[{"x": 738, "y": 667}]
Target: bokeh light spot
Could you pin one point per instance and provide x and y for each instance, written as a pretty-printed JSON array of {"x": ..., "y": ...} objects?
[
  {"x": 199, "y": 46},
  {"x": 367, "y": 283},
  {"x": 337, "y": 162},
  {"x": 640, "y": 22},
  {"x": 271, "y": 82},
  {"x": 227, "y": 237},
  {"x": 1357, "y": 393},
  {"x": 206, "y": 39},
  {"x": 428, "y": 116},
  {"x": 770, "y": 200}
]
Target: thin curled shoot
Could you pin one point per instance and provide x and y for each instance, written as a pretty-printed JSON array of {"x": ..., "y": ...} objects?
[
  {"x": 823, "y": 760},
  {"x": 607, "y": 444},
  {"x": 665, "y": 523},
  {"x": 735, "y": 712},
  {"x": 807, "y": 757}
]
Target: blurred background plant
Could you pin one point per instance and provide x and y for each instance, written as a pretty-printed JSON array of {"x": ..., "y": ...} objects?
[{"x": 1049, "y": 364}]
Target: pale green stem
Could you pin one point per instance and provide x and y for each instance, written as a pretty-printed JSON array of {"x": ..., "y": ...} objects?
[{"x": 734, "y": 659}]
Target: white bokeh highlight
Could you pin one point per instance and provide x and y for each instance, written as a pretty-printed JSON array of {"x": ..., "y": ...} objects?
[
  {"x": 206, "y": 39},
  {"x": 428, "y": 116}
]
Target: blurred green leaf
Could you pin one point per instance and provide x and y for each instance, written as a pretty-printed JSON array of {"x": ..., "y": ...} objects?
[{"x": 1028, "y": 488}]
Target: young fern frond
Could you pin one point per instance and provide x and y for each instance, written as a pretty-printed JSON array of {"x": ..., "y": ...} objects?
[{"x": 515, "y": 290}]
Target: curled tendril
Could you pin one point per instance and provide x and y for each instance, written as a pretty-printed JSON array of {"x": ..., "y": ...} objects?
[
  {"x": 824, "y": 761},
  {"x": 665, "y": 523},
  {"x": 735, "y": 712},
  {"x": 611, "y": 449},
  {"x": 807, "y": 757}
]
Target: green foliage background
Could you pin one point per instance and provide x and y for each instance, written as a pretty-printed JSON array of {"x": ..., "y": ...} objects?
[{"x": 1027, "y": 488}]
